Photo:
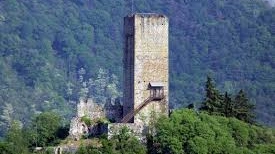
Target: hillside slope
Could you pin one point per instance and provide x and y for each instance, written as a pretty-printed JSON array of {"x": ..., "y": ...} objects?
[
  {"x": 44, "y": 45},
  {"x": 270, "y": 2},
  {"x": 187, "y": 131}
]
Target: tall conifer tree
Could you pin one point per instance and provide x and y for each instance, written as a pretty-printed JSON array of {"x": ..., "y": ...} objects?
[
  {"x": 213, "y": 99},
  {"x": 243, "y": 109},
  {"x": 227, "y": 105}
]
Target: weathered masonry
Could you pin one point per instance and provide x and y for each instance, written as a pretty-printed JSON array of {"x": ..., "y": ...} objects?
[
  {"x": 145, "y": 67},
  {"x": 145, "y": 82}
]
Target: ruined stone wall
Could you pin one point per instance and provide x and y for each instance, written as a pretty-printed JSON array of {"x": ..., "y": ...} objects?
[
  {"x": 78, "y": 128},
  {"x": 90, "y": 109},
  {"x": 93, "y": 111},
  {"x": 113, "y": 111},
  {"x": 149, "y": 62}
]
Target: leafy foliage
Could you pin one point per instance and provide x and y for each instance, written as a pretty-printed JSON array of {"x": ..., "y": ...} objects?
[
  {"x": 86, "y": 120},
  {"x": 243, "y": 109},
  {"x": 15, "y": 140},
  {"x": 186, "y": 131},
  {"x": 43, "y": 44},
  {"x": 213, "y": 103},
  {"x": 44, "y": 129},
  {"x": 121, "y": 143},
  {"x": 218, "y": 104}
]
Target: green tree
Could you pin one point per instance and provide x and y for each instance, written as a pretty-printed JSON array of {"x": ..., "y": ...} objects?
[
  {"x": 6, "y": 117},
  {"x": 126, "y": 143},
  {"x": 104, "y": 86},
  {"x": 213, "y": 98},
  {"x": 197, "y": 145},
  {"x": 45, "y": 129},
  {"x": 185, "y": 131},
  {"x": 15, "y": 140},
  {"x": 123, "y": 142},
  {"x": 82, "y": 150},
  {"x": 5, "y": 148},
  {"x": 227, "y": 104},
  {"x": 243, "y": 109},
  {"x": 41, "y": 52}
]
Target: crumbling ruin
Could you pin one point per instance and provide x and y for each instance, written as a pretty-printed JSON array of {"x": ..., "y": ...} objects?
[
  {"x": 146, "y": 80},
  {"x": 96, "y": 114}
]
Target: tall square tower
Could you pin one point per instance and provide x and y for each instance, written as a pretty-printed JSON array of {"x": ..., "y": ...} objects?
[{"x": 146, "y": 82}]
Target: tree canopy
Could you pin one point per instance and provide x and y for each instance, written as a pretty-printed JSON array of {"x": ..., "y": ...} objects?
[
  {"x": 44, "y": 44},
  {"x": 224, "y": 105},
  {"x": 45, "y": 129},
  {"x": 187, "y": 131},
  {"x": 123, "y": 142}
]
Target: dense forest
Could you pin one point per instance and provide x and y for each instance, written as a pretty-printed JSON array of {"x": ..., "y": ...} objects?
[
  {"x": 52, "y": 52},
  {"x": 270, "y": 2}
]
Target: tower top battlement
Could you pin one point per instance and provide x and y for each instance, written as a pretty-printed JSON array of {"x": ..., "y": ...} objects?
[{"x": 147, "y": 15}]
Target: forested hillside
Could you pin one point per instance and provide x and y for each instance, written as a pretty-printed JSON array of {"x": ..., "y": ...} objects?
[
  {"x": 54, "y": 51},
  {"x": 270, "y": 2}
]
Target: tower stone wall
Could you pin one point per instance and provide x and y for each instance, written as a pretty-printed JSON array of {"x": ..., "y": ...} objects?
[
  {"x": 146, "y": 82},
  {"x": 145, "y": 61}
]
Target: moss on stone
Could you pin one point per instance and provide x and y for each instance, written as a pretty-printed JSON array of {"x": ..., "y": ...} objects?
[{"x": 86, "y": 120}]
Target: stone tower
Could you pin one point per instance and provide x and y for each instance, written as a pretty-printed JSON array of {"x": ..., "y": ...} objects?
[{"x": 145, "y": 61}]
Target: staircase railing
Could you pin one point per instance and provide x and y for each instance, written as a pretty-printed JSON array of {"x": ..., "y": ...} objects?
[{"x": 133, "y": 112}]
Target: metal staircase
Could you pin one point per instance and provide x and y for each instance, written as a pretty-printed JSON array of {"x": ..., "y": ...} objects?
[{"x": 133, "y": 112}]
